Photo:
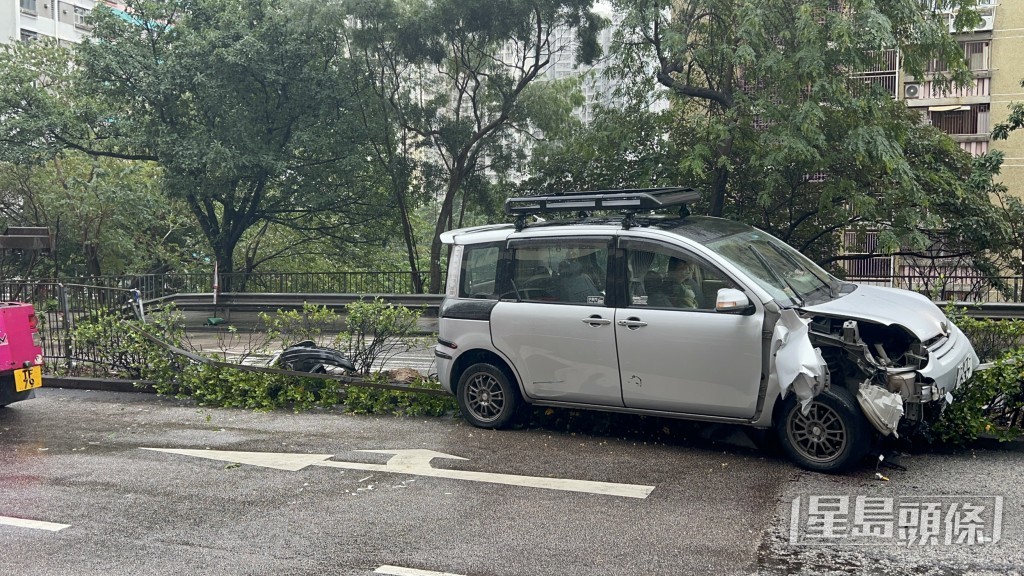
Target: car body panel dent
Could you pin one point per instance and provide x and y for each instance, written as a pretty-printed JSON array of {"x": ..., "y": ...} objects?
[{"x": 796, "y": 364}]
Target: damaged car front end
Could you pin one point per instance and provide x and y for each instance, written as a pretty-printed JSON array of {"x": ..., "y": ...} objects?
[
  {"x": 693, "y": 317},
  {"x": 897, "y": 341},
  {"x": 887, "y": 360}
]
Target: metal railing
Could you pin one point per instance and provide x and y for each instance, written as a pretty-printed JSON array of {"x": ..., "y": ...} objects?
[
  {"x": 64, "y": 305},
  {"x": 156, "y": 285},
  {"x": 955, "y": 287},
  {"x": 60, "y": 308}
]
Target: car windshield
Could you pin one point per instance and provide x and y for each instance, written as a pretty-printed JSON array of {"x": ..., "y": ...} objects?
[{"x": 790, "y": 277}]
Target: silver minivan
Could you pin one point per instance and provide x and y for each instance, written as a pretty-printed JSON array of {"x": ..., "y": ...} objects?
[{"x": 685, "y": 317}]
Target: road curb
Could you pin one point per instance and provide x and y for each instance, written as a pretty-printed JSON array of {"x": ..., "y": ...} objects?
[{"x": 103, "y": 384}]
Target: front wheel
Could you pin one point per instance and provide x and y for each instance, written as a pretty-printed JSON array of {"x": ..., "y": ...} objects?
[
  {"x": 487, "y": 397},
  {"x": 832, "y": 437}
]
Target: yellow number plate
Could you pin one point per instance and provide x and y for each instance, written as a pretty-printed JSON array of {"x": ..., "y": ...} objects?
[{"x": 28, "y": 378}]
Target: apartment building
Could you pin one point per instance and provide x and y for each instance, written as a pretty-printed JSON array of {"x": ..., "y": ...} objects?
[
  {"x": 64, "y": 20},
  {"x": 993, "y": 51},
  {"x": 967, "y": 114},
  {"x": 1008, "y": 72}
]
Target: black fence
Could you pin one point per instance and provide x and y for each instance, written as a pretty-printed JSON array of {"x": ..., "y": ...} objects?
[
  {"x": 61, "y": 308},
  {"x": 944, "y": 288}
]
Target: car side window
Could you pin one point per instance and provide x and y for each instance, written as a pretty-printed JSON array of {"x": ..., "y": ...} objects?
[
  {"x": 663, "y": 277},
  {"x": 480, "y": 271},
  {"x": 565, "y": 271}
]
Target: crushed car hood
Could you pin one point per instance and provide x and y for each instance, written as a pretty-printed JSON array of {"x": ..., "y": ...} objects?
[{"x": 882, "y": 305}]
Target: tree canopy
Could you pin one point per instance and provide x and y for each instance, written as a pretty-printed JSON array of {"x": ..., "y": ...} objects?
[
  {"x": 297, "y": 132},
  {"x": 245, "y": 105},
  {"x": 452, "y": 73}
]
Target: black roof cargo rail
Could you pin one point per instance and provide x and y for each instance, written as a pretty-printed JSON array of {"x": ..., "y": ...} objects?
[{"x": 628, "y": 201}]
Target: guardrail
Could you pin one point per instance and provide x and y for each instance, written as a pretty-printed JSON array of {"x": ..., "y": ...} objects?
[
  {"x": 249, "y": 302},
  {"x": 432, "y": 302},
  {"x": 61, "y": 307},
  {"x": 946, "y": 286},
  {"x": 158, "y": 285},
  {"x": 994, "y": 310}
]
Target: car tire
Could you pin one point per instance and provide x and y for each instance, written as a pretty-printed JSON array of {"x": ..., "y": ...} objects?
[
  {"x": 832, "y": 437},
  {"x": 488, "y": 398}
]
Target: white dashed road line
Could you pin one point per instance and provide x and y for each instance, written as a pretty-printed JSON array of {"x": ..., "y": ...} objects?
[{"x": 34, "y": 524}]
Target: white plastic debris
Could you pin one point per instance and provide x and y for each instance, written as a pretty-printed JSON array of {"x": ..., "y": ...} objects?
[
  {"x": 797, "y": 364},
  {"x": 882, "y": 408}
]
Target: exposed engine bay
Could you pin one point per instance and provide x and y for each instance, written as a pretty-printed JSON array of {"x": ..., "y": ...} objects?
[{"x": 860, "y": 352}]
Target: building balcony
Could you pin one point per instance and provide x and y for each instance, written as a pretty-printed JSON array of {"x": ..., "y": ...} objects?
[{"x": 927, "y": 93}]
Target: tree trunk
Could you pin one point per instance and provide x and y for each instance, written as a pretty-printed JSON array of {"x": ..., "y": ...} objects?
[
  {"x": 720, "y": 174},
  {"x": 410, "y": 239},
  {"x": 443, "y": 221},
  {"x": 225, "y": 265},
  {"x": 91, "y": 255}
]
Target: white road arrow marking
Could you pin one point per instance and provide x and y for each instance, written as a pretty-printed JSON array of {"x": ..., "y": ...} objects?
[
  {"x": 34, "y": 524},
  {"x": 400, "y": 571},
  {"x": 276, "y": 460},
  {"x": 415, "y": 462}
]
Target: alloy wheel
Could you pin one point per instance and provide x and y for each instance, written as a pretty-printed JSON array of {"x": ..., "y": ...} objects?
[{"x": 820, "y": 435}]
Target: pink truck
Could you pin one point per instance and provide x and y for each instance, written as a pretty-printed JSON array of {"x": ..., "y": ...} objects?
[{"x": 21, "y": 353}]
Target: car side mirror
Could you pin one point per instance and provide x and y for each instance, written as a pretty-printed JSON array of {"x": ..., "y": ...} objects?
[{"x": 733, "y": 301}]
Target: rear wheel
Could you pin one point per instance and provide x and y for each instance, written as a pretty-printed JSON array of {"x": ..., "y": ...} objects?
[
  {"x": 487, "y": 397},
  {"x": 832, "y": 437}
]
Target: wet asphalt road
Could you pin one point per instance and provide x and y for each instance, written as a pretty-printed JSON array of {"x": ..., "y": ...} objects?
[{"x": 717, "y": 507}]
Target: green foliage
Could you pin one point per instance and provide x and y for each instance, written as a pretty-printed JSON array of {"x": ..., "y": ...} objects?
[
  {"x": 1014, "y": 121},
  {"x": 620, "y": 148},
  {"x": 290, "y": 327},
  {"x": 992, "y": 338},
  {"x": 442, "y": 79},
  {"x": 233, "y": 388},
  {"x": 775, "y": 122},
  {"x": 108, "y": 216},
  {"x": 989, "y": 404},
  {"x": 361, "y": 400},
  {"x": 106, "y": 341},
  {"x": 245, "y": 107},
  {"x": 376, "y": 331},
  {"x": 991, "y": 401}
]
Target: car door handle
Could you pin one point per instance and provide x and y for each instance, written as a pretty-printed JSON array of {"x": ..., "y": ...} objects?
[
  {"x": 632, "y": 323},
  {"x": 596, "y": 321}
]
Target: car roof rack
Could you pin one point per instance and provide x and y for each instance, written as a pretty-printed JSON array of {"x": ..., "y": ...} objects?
[{"x": 628, "y": 201}]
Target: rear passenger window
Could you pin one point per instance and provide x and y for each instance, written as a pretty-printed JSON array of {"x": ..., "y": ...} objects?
[
  {"x": 479, "y": 272},
  {"x": 569, "y": 272}
]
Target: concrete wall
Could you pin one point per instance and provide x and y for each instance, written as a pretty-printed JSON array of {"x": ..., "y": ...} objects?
[
  {"x": 51, "y": 18},
  {"x": 1007, "y": 74},
  {"x": 8, "y": 20}
]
